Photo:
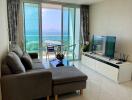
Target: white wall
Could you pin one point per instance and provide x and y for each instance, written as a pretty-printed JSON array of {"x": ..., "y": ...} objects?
[
  {"x": 113, "y": 17},
  {"x": 3, "y": 31}
]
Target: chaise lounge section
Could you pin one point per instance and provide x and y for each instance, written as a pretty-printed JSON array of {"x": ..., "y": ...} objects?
[{"x": 67, "y": 79}]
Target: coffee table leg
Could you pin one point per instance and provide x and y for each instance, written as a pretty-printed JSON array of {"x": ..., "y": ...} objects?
[
  {"x": 47, "y": 97},
  {"x": 56, "y": 97},
  {"x": 81, "y": 92}
]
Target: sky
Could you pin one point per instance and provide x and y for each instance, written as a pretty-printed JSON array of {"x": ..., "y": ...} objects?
[{"x": 51, "y": 19}]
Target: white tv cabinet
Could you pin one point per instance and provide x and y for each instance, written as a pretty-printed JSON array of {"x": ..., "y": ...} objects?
[{"x": 116, "y": 72}]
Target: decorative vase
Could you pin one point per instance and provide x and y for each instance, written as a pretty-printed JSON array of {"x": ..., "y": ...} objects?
[{"x": 60, "y": 56}]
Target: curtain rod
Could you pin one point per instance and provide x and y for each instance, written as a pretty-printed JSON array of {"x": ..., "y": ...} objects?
[{"x": 53, "y": 2}]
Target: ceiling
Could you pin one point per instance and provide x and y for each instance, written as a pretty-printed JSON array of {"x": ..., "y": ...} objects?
[{"x": 77, "y": 1}]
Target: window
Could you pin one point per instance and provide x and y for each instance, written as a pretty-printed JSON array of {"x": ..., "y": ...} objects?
[
  {"x": 52, "y": 23},
  {"x": 31, "y": 13}
]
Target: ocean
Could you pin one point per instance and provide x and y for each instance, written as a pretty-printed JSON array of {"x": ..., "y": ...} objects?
[{"x": 32, "y": 41}]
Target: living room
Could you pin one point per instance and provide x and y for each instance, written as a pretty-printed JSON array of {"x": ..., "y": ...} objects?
[{"x": 105, "y": 18}]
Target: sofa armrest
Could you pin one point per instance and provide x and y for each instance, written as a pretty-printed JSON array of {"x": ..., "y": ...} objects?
[
  {"x": 26, "y": 86},
  {"x": 33, "y": 55}
]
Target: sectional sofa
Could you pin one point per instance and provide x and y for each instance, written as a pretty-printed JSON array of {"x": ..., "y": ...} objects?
[{"x": 25, "y": 78}]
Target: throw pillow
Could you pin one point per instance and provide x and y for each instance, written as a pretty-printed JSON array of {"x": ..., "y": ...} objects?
[
  {"x": 27, "y": 61},
  {"x": 17, "y": 50},
  {"x": 14, "y": 63}
]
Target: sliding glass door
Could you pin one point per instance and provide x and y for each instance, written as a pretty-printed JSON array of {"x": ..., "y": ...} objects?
[
  {"x": 51, "y": 24},
  {"x": 71, "y": 31},
  {"x": 48, "y": 23},
  {"x": 77, "y": 34},
  {"x": 31, "y": 25}
]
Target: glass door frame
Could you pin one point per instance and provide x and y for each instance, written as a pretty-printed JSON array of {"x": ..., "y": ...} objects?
[
  {"x": 40, "y": 22},
  {"x": 70, "y": 7},
  {"x": 39, "y": 14},
  {"x": 61, "y": 13}
]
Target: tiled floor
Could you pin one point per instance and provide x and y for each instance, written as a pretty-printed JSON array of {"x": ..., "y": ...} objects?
[{"x": 100, "y": 88}]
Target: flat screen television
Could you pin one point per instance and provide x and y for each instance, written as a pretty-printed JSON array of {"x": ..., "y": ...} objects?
[{"x": 104, "y": 45}]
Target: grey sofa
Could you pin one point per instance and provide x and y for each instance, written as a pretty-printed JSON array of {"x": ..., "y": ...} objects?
[
  {"x": 40, "y": 82},
  {"x": 26, "y": 86},
  {"x": 32, "y": 84}
]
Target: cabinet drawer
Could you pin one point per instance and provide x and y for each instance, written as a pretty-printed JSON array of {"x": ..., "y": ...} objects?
[
  {"x": 89, "y": 62},
  {"x": 107, "y": 70}
]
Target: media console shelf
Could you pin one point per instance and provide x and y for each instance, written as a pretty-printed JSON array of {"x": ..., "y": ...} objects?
[{"x": 109, "y": 68}]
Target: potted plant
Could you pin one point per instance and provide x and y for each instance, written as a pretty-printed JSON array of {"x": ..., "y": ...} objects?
[{"x": 85, "y": 47}]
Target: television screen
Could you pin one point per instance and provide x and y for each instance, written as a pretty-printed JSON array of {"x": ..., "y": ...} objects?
[
  {"x": 104, "y": 45},
  {"x": 110, "y": 46},
  {"x": 99, "y": 44}
]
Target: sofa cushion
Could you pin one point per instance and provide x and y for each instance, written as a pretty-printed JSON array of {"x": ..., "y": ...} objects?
[
  {"x": 14, "y": 63},
  {"x": 17, "y": 50},
  {"x": 27, "y": 61},
  {"x": 62, "y": 75}
]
